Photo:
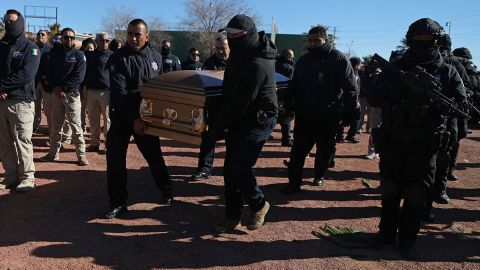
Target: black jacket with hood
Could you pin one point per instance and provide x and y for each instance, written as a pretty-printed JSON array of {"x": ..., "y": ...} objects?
[
  {"x": 323, "y": 84},
  {"x": 19, "y": 60},
  {"x": 249, "y": 84}
]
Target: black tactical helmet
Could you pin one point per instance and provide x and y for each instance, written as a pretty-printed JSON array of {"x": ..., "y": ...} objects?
[
  {"x": 445, "y": 42},
  {"x": 462, "y": 52},
  {"x": 424, "y": 30}
]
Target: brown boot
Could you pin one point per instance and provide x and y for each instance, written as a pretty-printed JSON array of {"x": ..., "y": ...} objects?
[{"x": 258, "y": 218}]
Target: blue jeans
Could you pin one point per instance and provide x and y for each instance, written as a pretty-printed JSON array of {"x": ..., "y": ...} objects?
[
  {"x": 206, "y": 155},
  {"x": 244, "y": 143}
]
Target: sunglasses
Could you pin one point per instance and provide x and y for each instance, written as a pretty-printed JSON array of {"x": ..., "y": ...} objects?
[
  {"x": 104, "y": 40},
  {"x": 195, "y": 54},
  {"x": 68, "y": 37}
]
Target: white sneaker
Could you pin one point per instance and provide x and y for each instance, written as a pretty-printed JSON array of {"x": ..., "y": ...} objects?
[
  {"x": 371, "y": 156},
  {"x": 26, "y": 185}
]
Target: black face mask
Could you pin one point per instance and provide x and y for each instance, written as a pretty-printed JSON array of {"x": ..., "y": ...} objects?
[
  {"x": 15, "y": 29},
  {"x": 165, "y": 51},
  {"x": 242, "y": 45},
  {"x": 424, "y": 51},
  {"x": 57, "y": 45},
  {"x": 323, "y": 49}
]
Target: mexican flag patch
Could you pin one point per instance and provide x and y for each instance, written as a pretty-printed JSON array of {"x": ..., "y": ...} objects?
[{"x": 34, "y": 52}]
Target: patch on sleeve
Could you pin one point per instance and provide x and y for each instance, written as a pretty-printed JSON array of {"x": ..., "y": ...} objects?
[{"x": 34, "y": 52}]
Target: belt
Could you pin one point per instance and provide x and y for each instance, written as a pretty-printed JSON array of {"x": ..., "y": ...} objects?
[{"x": 104, "y": 89}]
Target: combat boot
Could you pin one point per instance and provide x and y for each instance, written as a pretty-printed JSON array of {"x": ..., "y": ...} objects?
[
  {"x": 451, "y": 175},
  {"x": 7, "y": 184}
]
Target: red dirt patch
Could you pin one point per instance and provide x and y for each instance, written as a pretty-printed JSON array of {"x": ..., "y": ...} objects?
[{"x": 57, "y": 226}]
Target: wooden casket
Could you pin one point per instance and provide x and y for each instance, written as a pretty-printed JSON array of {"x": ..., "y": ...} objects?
[{"x": 176, "y": 105}]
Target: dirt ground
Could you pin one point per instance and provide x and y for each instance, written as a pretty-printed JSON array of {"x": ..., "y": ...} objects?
[{"x": 58, "y": 226}]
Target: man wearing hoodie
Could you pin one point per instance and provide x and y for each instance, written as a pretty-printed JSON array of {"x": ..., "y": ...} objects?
[
  {"x": 249, "y": 113},
  {"x": 19, "y": 59},
  {"x": 323, "y": 92}
]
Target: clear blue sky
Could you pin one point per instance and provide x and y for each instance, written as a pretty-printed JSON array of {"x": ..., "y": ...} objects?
[{"x": 364, "y": 27}]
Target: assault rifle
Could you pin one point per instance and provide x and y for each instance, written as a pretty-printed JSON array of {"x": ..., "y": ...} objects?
[
  {"x": 470, "y": 99},
  {"x": 421, "y": 82}
]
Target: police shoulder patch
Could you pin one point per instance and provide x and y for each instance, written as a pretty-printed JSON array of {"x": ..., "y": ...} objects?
[{"x": 34, "y": 52}]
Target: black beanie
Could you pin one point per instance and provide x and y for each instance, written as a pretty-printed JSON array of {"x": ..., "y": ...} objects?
[{"x": 355, "y": 61}]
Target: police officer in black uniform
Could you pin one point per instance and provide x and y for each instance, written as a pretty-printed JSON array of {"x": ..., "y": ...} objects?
[
  {"x": 170, "y": 61},
  {"x": 473, "y": 92},
  {"x": 249, "y": 112},
  {"x": 319, "y": 104},
  {"x": 218, "y": 60},
  {"x": 206, "y": 156},
  {"x": 457, "y": 128},
  {"x": 193, "y": 62},
  {"x": 19, "y": 60},
  {"x": 42, "y": 43},
  {"x": 285, "y": 65},
  {"x": 354, "y": 124},
  {"x": 131, "y": 66},
  {"x": 410, "y": 136}
]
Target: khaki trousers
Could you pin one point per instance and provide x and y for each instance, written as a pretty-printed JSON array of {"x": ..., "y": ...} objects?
[
  {"x": 47, "y": 110},
  {"x": 66, "y": 108},
  {"x": 16, "y": 148},
  {"x": 97, "y": 105}
]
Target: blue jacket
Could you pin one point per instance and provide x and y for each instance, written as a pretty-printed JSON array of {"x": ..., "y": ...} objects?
[
  {"x": 97, "y": 75},
  {"x": 19, "y": 62},
  {"x": 43, "y": 50},
  {"x": 129, "y": 69},
  {"x": 66, "y": 69},
  {"x": 171, "y": 63}
]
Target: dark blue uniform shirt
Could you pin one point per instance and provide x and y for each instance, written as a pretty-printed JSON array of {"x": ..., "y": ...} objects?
[
  {"x": 19, "y": 62},
  {"x": 97, "y": 74},
  {"x": 66, "y": 69},
  {"x": 129, "y": 69}
]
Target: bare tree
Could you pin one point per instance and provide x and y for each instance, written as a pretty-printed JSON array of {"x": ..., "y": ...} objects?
[
  {"x": 205, "y": 17},
  {"x": 157, "y": 32},
  {"x": 117, "y": 18}
]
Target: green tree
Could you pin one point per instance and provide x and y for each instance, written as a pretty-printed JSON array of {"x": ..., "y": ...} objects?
[{"x": 55, "y": 28}]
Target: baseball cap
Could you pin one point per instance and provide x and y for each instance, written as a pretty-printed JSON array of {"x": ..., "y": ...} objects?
[{"x": 239, "y": 23}]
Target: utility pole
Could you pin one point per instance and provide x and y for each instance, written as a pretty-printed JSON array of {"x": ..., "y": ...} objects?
[
  {"x": 350, "y": 49},
  {"x": 449, "y": 24}
]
